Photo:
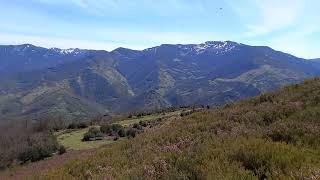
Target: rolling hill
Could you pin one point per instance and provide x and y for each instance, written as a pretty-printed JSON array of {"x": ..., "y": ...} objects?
[
  {"x": 79, "y": 84},
  {"x": 272, "y": 136}
]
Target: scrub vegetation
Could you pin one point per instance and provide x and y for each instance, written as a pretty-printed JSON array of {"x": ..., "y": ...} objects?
[{"x": 275, "y": 135}]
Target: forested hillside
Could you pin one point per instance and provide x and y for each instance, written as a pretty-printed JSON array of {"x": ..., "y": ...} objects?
[{"x": 80, "y": 84}]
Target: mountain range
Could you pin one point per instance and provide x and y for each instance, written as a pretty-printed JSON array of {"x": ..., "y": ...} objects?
[{"x": 79, "y": 84}]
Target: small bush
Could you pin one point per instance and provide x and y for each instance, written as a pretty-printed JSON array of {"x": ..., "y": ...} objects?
[
  {"x": 72, "y": 126},
  {"x": 80, "y": 125},
  {"x": 92, "y": 134},
  {"x": 106, "y": 129},
  {"x": 143, "y": 123},
  {"x": 62, "y": 150},
  {"x": 95, "y": 130},
  {"x": 88, "y": 136},
  {"x": 116, "y": 127},
  {"x": 122, "y": 133},
  {"x": 131, "y": 133},
  {"x": 137, "y": 126}
]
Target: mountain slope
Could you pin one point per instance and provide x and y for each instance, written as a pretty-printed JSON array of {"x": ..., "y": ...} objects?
[
  {"x": 89, "y": 84},
  {"x": 272, "y": 136},
  {"x": 128, "y": 80},
  {"x": 26, "y": 57},
  {"x": 316, "y": 62}
]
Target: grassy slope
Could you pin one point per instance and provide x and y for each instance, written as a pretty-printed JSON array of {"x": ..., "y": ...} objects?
[
  {"x": 73, "y": 139},
  {"x": 276, "y": 135}
]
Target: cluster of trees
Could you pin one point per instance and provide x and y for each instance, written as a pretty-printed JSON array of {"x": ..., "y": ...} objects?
[
  {"x": 38, "y": 146},
  {"x": 113, "y": 130},
  {"x": 21, "y": 143},
  {"x": 56, "y": 123}
]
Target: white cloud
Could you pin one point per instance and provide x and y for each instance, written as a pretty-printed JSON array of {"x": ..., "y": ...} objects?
[
  {"x": 286, "y": 25},
  {"x": 266, "y": 16},
  {"x": 276, "y": 15},
  {"x": 297, "y": 43}
]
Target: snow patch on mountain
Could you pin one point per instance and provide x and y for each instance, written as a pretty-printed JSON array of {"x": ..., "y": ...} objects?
[
  {"x": 215, "y": 47},
  {"x": 218, "y": 47},
  {"x": 70, "y": 51}
]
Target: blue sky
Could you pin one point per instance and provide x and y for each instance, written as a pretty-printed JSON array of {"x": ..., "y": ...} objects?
[{"x": 291, "y": 26}]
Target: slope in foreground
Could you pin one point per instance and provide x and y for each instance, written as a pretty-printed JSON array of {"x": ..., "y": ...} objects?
[{"x": 276, "y": 135}]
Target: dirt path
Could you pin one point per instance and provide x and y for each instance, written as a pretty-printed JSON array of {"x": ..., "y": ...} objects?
[{"x": 45, "y": 165}]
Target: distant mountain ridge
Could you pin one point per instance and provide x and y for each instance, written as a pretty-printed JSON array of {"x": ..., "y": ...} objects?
[
  {"x": 82, "y": 83},
  {"x": 33, "y": 57}
]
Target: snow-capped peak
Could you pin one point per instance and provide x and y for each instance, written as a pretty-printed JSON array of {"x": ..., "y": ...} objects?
[
  {"x": 66, "y": 51},
  {"x": 214, "y": 47},
  {"x": 219, "y": 47}
]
